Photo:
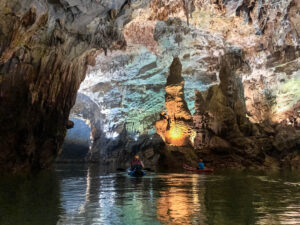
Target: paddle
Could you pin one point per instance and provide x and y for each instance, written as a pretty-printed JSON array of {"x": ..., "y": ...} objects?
[{"x": 149, "y": 169}]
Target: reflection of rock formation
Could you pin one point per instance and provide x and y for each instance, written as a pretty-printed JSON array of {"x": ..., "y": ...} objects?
[
  {"x": 182, "y": 205},
  {"x": 175, "y": 128},
  {"x": 174, "y": 207}
]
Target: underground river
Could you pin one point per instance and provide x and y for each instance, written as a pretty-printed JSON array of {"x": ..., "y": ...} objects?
[{"x": 80, "y": 194}]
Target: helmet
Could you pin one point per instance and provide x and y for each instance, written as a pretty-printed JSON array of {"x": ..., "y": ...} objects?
[{"x": 136, "y": 156}]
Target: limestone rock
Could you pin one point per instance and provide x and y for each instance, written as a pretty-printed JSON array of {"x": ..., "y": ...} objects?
[{"x": 175, "y": 127}]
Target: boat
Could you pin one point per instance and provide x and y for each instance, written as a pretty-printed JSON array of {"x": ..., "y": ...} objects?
[
  {"x": 196, "y": 170},
  {"x": 136, "y": 173}
]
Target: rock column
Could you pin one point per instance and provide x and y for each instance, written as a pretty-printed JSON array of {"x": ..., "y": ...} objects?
[{"x": 176, "y": 125}]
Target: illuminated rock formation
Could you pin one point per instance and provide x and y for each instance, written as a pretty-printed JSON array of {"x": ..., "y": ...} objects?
[{"x": 175, "y": 128}]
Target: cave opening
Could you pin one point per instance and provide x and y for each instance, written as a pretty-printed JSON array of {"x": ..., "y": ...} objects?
[
  {"x": 77, "y": 143},
  {"x": 122, "y": 112}
]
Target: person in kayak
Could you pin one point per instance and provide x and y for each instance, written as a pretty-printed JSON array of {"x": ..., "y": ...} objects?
[
  {"x": 201, "y": 164},
  {"x": 136, "y": 163}
]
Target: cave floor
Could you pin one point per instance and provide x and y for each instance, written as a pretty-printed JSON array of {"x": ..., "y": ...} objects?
[{"x": 82, "y": 194}]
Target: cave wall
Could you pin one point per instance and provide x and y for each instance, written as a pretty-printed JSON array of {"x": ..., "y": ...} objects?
[
  {"x": 220, "y": 131},
  {"x": 45, "y": 47}
]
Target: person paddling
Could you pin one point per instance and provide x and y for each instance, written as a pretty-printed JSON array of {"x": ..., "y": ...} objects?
[
  {"x": 201, "y": 164},
  {"x": 136, "y": 163}
]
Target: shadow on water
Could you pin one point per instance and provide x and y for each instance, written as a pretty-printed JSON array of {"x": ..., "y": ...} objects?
[
  {"x": 81, "y": 194},
  {"x": 33, "y": 200},
  {"x": 229, "y": 200},
  {"x": 254, "y": 198}
]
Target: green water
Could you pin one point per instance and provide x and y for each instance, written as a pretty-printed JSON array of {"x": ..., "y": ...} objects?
[{"x": 77, "y": 194}]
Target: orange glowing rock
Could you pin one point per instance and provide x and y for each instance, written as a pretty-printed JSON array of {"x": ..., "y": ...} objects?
[
  {"x": 175, "y": 133},
  {"x": 178, "y": 134}
]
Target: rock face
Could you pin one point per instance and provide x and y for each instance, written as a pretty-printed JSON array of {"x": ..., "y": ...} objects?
[
  {"x": 220, "y": 118},
  {"x": 223, "y": 111},
  {"x": 246, "y": 102}
]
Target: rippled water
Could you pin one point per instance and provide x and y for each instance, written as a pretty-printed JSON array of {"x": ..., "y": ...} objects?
[{"x": 77, "y": 194}]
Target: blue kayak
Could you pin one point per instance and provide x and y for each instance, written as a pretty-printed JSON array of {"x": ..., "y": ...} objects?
[{"x": 136, "y": 173}]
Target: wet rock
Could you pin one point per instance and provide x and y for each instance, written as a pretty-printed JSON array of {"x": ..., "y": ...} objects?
[
  {"x": 119, "y": 153},
  {"x": 286, "y": 139}
]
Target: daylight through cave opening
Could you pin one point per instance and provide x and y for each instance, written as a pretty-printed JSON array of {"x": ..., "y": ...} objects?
[{"x": 78, "y": 142}]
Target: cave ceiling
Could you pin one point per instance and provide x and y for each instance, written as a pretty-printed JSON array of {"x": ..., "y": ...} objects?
[{"x": 128, "y": 85}]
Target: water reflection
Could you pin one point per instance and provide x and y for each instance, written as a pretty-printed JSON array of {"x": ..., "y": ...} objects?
[
  {"x": 278, "y": 201},
  {"x": 183, "y": 201},
  {"x": 77, "y": 194},
  {"x": 109, "y": 199}
]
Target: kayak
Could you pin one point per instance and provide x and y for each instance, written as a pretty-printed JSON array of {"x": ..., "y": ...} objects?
[
  {"x": 136, "y": 173},
  {"x": 189, "y": 168}
]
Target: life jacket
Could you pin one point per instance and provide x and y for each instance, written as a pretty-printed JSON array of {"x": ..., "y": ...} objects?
[
  {"x": 136, "y": 162},
  {"x": 201, "y": 165}
]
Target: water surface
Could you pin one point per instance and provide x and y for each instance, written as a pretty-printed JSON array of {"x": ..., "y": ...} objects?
[{"x": 79, "y": 194}]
